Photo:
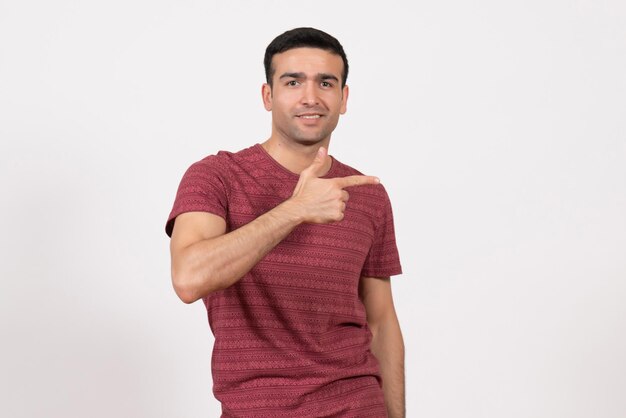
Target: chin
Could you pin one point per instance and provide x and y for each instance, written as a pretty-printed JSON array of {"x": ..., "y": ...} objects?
[
  {"x": 307, "y": 142},
  {"x": 309, "y": 139}
]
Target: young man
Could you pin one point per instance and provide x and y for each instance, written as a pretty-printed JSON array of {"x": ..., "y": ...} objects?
[{"x": 291, "y": 252}]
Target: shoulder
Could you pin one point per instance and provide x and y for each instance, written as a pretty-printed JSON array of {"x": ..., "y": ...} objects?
[
  {"x": 375, "y": 194},
  {"x": 223, "y": 163},
  {"x": 343, "y": 170}
]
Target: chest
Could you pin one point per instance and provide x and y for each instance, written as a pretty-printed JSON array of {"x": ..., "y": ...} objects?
[{"x": 339, "y": 248}]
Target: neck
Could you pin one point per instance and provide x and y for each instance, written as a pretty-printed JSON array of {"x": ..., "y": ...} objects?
[{"x": 295, "y": 156}]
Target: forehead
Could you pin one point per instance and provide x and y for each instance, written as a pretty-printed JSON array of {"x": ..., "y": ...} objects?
[{"x": 308, "y": 61}]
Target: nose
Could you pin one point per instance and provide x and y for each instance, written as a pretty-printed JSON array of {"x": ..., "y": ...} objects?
[{"x": 309, "y": 95}]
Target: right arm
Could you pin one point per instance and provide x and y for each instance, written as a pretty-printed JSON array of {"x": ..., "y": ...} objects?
[{"x": 205, "y": 258}]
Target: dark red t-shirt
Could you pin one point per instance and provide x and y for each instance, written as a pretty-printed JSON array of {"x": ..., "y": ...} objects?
[{"x": 291, "y": 336}]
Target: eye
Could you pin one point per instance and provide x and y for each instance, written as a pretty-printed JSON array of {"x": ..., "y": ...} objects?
[
  {"x": 326, "y": 84},
  {"x": 292, "y": 83}
]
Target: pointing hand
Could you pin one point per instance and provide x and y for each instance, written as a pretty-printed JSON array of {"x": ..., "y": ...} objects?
[{"x": 324, "y": 200}]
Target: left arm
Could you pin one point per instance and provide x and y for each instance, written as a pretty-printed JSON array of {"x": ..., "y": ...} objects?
[{"x": 387, "y": 343}]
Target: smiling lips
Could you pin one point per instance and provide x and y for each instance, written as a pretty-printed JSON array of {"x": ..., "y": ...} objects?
[{"x": 309, "y": 116}]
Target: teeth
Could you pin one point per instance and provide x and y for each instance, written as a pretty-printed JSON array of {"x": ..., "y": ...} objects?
[{"x": 310, "y": 116}]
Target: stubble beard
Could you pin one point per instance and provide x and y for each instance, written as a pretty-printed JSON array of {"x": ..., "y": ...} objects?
[{"x": 310, "y": 138}]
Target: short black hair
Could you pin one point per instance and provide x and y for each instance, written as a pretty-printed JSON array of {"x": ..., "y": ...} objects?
[{"x": 302, "y": 38}]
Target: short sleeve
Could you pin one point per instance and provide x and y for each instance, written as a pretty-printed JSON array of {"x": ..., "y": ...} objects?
[
  {"x": 203, "y": 188},
  {"x": 383, "y": 259}
]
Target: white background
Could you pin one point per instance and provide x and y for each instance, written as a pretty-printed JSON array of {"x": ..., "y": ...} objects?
[{"x": 497, "y": 127}]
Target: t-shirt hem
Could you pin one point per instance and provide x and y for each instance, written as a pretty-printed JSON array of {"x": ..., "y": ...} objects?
[
  {"x": 382, "y": 273},
  {"x": 169, "y": 225}
]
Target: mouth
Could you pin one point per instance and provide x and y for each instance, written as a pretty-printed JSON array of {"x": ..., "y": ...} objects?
[{"x": 309, "y": 116}]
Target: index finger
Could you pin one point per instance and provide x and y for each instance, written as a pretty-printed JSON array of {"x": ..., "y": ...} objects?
[{"x": 356, "y": 180}]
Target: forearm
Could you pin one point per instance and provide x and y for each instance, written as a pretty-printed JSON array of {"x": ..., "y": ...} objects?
[
  {"x": 388, "y": 347},
  {"x": 210, "y": 264},
  {"x": 219, "y": 262}
]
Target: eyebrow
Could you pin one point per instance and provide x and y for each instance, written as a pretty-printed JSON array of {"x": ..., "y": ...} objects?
[
  {"x": 292, "y": 75},
  {"x": 325, "y": 76},
  {"x": 320, "y": 76}
]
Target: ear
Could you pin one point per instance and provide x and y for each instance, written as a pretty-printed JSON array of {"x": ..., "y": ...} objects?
[
  {"x": 266, "y": 93},
  {"x": 344, "y": 99}
]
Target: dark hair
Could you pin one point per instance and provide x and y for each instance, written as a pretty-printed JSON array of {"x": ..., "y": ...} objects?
[{"x": 299, "y": 38}]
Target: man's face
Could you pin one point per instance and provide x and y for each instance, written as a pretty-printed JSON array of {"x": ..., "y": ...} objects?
[{"x": 306, "y": 98}]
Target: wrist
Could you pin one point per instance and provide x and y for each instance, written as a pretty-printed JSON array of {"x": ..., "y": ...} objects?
[{"x": 292, "y": 210}]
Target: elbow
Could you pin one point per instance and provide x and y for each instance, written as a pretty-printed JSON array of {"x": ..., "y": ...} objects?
[
  {"x": 188, "y": 287},
  {"x": 184, "y": 287},
  {"x": 185, "y": 295}
]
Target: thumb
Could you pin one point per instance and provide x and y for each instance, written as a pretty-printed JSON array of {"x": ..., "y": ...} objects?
[{"x": 317, "y": 166}]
